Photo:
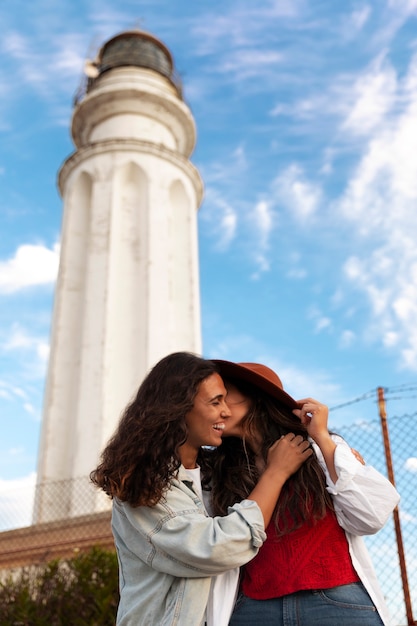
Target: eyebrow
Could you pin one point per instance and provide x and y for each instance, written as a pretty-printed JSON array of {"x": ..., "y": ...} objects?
[{"x": 219, "y": 396}]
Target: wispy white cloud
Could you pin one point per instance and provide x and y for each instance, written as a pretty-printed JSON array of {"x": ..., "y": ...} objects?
[
  {"x": 295, "y": 263},
  {"x": 248, "y": 63},
  {"x": 297, "y": 273},
  {"x": 28, "y": 355},
  {"x": 221, "y": 219},
  {"x": 292, "y": 190},
  {"x": 304, "y": 382},
  {"x": 373, "y": 95},
  {"x": 359, "y": 17},
  {"x": 380, "y": 201},
  {"x": 20, "y": 340},
  {"x": 298, "y": 381},
  {"x": 226, "y": 221},
  {"x": 239, "y": 25},
  {"x": 16, "y": 501},
  {"x": 405, "y": 7},
  {"x": 263, "y": 222},
  {"x": 25, "y": 399},
  {"x": 48, "y": 65},
  {"x": 389, "y": 282},
  {"x": 377, "y": 204},
  {"x": 411, "y": 464},
  {"x": 9, "y": 391},
  {"x": 30, "y": 266},
  {"x": 347, "y": 338},
  {"x": 220, "y": 215},
  {"x": 15, "y": 44},
  {"x": 320, "y": 322},
  {"x": 227, "y": 226},
  {"x": 29, "y": 408},
  {"x": 349, "y": 107},
  {"x": 316, "y": 105}
]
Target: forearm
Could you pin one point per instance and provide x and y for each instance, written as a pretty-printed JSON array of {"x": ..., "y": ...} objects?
[
  {"x": 176, "y": 537},
  {"x": 285, "y": 456},
  {"x": 328, "y": 448},
  {"x": 267, "y": 492}
]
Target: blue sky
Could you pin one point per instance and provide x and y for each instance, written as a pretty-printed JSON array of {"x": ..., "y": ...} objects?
[{"x": 307, "y": 126}]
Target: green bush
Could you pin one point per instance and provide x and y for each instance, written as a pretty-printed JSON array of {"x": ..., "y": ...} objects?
[{"x": 81, "y": 591}]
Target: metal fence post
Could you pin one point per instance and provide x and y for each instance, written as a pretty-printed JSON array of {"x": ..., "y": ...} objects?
[{"x": 397, "y": 524}]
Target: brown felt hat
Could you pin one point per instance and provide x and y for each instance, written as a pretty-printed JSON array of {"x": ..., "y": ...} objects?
[{"x": 258, "y": 375}]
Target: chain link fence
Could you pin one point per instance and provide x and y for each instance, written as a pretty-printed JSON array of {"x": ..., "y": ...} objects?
[
  {"x": 383, "y": 547},
  {"x": 78, "y": 518},
  {"x": 22, "y": 542}
]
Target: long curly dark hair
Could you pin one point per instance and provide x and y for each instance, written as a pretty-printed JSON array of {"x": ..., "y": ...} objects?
[
  {"x": 234, "y": 472},
  {"x": 143, "y": 455}
]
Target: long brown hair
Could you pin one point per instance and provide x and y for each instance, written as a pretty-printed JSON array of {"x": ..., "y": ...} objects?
[
  {"x": 143, "y": 455},
  {"x": 234, "y": 472}
]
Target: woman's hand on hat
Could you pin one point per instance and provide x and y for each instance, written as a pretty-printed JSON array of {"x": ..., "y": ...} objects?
[{"x": 314, "y": 416}]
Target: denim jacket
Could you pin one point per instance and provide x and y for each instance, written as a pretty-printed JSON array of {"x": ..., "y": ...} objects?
[{"x": 169, "y": 552}]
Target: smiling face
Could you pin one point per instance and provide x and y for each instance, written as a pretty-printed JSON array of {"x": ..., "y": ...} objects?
[
  {"x": 239, "y": 406},
  {"x": 206, "y": 420}
]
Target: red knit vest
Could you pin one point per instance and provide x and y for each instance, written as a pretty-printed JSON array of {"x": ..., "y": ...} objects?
[{"x": 315, "y": 556}]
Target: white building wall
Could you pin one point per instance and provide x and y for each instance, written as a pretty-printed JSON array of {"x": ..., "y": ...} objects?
[{"x": 128, "y": 290}]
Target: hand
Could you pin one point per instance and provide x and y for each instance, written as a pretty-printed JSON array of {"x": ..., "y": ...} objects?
[
  {"x": 358, "y": 456},
  {"x": 287, "y": 454},
  {"x": 285, "y": 457},
  {"x": 314, "y": 417}
]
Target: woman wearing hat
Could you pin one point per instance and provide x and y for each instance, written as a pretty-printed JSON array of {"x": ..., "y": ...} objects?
[
  {"x": 313, "y": 569},
  {"x": 170, "y": 551}
]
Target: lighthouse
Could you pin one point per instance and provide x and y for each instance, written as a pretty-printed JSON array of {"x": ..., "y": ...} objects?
[{"x": 127, "y": 292}]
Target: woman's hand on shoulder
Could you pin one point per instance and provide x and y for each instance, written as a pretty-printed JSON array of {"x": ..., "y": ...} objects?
[
  {"x": 358, "y": 456},
  {"x": 288, "y": 453}
]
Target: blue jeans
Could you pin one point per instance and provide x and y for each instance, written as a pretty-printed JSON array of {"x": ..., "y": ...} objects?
[{"x": 346, "y": 605}]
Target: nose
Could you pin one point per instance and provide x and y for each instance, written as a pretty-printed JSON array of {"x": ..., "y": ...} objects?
[{"x": 225, "y": 412}]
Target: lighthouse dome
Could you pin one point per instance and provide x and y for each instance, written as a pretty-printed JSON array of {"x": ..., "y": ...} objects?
[{"x": 133, "y": 48}]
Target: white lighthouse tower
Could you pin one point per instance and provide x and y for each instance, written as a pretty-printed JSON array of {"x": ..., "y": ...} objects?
[{"x": 128, "y": 285}]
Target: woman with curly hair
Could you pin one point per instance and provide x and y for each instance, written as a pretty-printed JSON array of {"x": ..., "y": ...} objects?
[
  {"x": 313, "y": 569},
  {"x": 170, "y": 551}
]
